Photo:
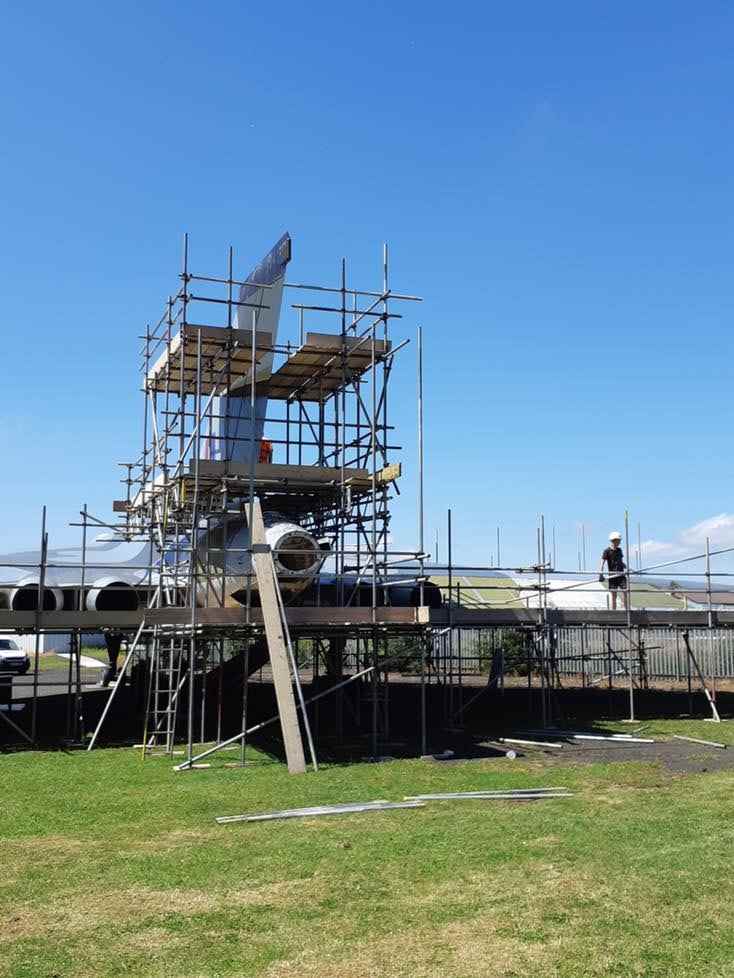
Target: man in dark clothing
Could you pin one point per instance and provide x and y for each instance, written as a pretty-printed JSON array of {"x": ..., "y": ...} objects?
[
  {"x": 113, "y": 641},
  {"x": 614, "y": 559}
]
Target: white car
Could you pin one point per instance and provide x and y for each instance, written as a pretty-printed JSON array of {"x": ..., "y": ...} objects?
[{"x": 13, "y": 658}]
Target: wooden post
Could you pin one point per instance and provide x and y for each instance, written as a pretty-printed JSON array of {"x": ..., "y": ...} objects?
[{"x": 262, "y": 560}]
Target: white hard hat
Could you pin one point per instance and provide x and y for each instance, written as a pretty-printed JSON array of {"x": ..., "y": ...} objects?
[{"x": 615, "y": 535}]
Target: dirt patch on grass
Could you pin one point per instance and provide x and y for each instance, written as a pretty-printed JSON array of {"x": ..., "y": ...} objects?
[
  {"x": 544, "y": 840},
  {"x": 152, "y": 940},
  {"x": 48, "y": 850},
  {"x": 498, "y": 928},
  {"x": 170, "y": 841},
  {"x": 461, "y": 949},
  {"x": 497, "y": 888},
  {"x": 50, "y": 846},
  {"x": 84, "y": 912}
]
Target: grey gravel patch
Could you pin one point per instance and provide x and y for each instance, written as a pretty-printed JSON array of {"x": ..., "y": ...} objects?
[{"x": 677, "y": 757}]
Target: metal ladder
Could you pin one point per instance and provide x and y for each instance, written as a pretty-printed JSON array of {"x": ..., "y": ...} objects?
[{"x": 169, "y": 670}]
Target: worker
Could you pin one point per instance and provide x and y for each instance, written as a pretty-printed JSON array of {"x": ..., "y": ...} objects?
[
  {"x": 113, "y": 641},
  {"x": 613, "y": 557},
  {"x": 265, "y": 454}
]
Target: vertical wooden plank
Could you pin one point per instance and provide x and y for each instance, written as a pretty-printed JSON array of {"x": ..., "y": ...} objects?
[{"x": 264, "y": 568}]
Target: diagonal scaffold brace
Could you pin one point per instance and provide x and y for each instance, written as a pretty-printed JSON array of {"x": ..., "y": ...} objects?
[
  {"x": 15, "y": 727},
  {"x": 118, "y": 683},
  {"x": 707, "y": 692}
]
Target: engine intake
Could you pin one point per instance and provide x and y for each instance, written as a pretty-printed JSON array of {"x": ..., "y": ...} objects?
[
  {"x": 24, "y": 596},
  {"x": 295, "y": 552},
  {"x": 109, "y": 594}
]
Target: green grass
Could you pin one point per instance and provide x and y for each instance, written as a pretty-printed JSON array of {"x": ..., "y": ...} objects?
[
  {"x": 657, "y": 597},
  {"x": 114, "y": 866},
  {"x": 480, "y": 592},
  {"x": 48, "y": 660}
]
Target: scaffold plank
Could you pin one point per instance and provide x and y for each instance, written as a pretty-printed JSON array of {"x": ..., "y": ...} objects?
[
  {"x": 304, "y": 476},
  {"x": 226, "y": 356},
  {"x": 288, "y": 478},
  {"x": 325, "y": 363},
  {"x": 298, "y": 617},
  {"x": 64, "y": 621},
  {"x": 304, "y": 618},
  {"x": 224, "y": 618},
  {"x": 643, "y": 618}
]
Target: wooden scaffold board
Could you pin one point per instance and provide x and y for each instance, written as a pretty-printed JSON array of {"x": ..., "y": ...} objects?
[
  {"x": 322, "y": 365},
  {"x": 226, "y": 357}
]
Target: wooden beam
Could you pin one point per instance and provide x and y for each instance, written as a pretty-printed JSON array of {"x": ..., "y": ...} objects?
[
  {"x": 307, "y": 474},
  {"x": 298, "y": 618},
  {"x": 64, "y": 621},
  {"x": 220, "y": 347},
  {"x": 335, "y": 342},
  {"x": 322, "y": 365},
  {"x": 390, "y": 473},
  {"x": 215, "y": 617},
  {"x": 275, "y": 626}
]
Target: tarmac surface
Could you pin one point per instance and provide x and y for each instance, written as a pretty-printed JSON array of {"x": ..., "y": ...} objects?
[
  {"x": 675, "y": 756},
  {"x": 51, "y": 682}
]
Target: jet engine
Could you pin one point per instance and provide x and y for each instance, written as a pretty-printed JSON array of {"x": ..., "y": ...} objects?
[
  {"x": 24, "y": 596},
  {"x": 297, "y": 556},
  {"x": 111, "y": 594}
]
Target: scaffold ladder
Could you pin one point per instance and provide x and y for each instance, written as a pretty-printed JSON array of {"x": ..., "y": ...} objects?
[{"x": 169, "y": 671}]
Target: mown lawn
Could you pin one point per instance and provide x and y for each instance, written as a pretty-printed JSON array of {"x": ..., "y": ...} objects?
[
  {"x": 114, "y": 866},
  {"x": 477, "y": 592},
  {"x": 49, "y": 660}
]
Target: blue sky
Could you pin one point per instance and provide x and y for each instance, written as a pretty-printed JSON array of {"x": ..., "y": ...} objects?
[{"x": 556, "y": 180}]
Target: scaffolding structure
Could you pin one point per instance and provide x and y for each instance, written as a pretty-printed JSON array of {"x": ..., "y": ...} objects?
[
  {"x": 328, "y": 468},
  {"x": 322, "y": 453}
]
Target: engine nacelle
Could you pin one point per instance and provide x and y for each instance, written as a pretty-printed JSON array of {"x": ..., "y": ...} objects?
[
  {"x": 297, "y": 557},
  {"x": 296, "y": 554},
  {"x": 111, "y": 594},
  {"x": 24, "y": 596}
]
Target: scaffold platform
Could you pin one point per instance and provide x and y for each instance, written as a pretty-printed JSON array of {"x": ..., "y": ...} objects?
[
  {"x": 226, "y": 359},
  {"x": 302, "y": 618},
  {"x": 323, "y": 365}
]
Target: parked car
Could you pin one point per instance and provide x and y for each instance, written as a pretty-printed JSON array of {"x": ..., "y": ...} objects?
[{"x": 13, "y": 658}]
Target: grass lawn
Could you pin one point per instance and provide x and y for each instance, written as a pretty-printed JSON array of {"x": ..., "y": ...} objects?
[
  {"x": 480, "y": 592},
  {"x": 114, "y": 866},
  {"x": 647, "y": 595},
  {"x": 49, "y": 660}
]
